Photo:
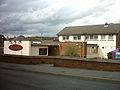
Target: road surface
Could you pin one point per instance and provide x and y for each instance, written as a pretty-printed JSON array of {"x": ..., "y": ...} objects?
[{"x": 19, "y": 80}]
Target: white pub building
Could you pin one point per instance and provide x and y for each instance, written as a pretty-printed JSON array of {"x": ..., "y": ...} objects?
[{"x": 101, "y": 39}]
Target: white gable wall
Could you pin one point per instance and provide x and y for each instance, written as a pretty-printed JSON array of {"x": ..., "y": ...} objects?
[
  {"x": 61, "y": 38},
  {"x": 25, "y": 51}
]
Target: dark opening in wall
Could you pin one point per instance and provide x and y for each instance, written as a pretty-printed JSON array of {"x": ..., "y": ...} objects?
[{"x": 42, "y": 51}]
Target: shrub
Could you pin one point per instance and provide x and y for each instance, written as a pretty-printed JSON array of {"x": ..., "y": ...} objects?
[
  {"x": 72, "y": 51},
  {"x": 109, "y": 55}
]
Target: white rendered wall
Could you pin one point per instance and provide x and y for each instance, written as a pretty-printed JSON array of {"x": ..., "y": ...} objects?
[
  {"x": 71, "y": 39},
  {"x": 25, "y": 51},
  {"x": 61, "y": 38},
  {"x": 105, "y": 46}
]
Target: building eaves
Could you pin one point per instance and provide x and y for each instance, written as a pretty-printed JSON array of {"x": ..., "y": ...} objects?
[{"x": 44, "y": 44}]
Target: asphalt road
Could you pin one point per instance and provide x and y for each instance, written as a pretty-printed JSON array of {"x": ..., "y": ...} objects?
[{"x": 19, "y": 80}]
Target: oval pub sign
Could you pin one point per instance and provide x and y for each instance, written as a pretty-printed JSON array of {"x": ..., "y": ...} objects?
[{"x": 15, "y": 47}]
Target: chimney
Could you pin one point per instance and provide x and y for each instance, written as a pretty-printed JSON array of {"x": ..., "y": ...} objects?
[{"x": 106, "y": 24}]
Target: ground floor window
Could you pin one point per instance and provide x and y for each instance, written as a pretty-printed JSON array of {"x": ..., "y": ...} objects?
[
  {"x": 43, "y": 51},
  {"x": 92, "y": 49}
]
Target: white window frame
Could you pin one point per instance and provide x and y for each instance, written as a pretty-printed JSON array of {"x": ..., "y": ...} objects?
[
  {"x": 91, "y": 37},
  {"x": 103, "y": 37},
  {"x": 110, "y": 37},
  {"x": 94, "y": 37},
  {"x": 77, "y": 37},
  {"x": 65, "y": 37},
  {"x": 87, "y": 37}
]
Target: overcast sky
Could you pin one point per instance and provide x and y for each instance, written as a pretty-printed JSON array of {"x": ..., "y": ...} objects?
[{"x": 48, "y": 17}]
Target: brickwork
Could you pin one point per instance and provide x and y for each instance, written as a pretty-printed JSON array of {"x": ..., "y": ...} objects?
[
  {"x": 118, "y": 40},
  {"x": 80, "y": 45},
  {"x": 53, "y": 51},
  {"x": 62, "y": 62},
  {"x": 60, "y": 50}
]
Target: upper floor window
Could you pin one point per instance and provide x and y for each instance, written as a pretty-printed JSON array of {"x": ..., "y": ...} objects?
[
  {"x": 95, "y": 37},
  {"x": 65, "y": 37},
  {"x": 77, "y": 37},
  {"x": 91, "y": 37},
  {"x": 87, "y": 37},
  {"x": 110, "y": 37},
  {"x": 103, "y": 37}
]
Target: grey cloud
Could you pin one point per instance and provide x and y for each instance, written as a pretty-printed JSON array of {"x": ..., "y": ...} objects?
[
  {"x": 23, "y": 5},
  {"x": 2, "y": 2},
  {"x": 66, "y": 15},
  {"x": 34, "y": 17}
]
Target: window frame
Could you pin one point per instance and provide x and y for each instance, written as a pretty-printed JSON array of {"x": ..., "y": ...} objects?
[
  {"x": 65, "y": 37},
  {"x": 110, "y": 36},
  {"x": 94, "y": 38},
  {"x": 91, "y": 37},
  {"x": 87, "y": 37},
  {"x": 103, "y": 37},
  {"x": 78, "y": 37},
  {"x": 44, "y": 49}
]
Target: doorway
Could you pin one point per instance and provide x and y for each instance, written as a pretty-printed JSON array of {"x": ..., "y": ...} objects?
[{"x": 92, "y": 51}]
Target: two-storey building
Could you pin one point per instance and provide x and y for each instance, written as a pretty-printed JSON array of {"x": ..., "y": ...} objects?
[{"x": 100, "y": 39}]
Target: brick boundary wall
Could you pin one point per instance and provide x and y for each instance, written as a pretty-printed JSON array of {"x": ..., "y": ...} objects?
[{"x": 62, "y": 62}]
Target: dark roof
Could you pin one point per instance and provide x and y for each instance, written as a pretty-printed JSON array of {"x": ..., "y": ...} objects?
[
  {"x": 91, "y": 29},
  {"x": 20, "y": 38},
  {"x": 106, "y": 23},
  {"x": 2, "y": 36}
]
